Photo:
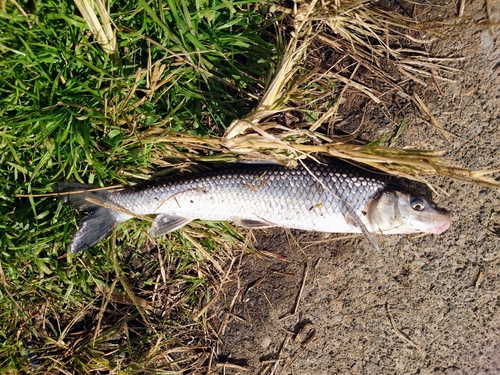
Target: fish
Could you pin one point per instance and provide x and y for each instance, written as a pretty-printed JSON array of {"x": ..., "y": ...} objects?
[{"x": 335, "y": 197}]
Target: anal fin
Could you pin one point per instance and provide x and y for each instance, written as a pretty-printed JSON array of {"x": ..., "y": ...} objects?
[{"x": 165, "y": 223}]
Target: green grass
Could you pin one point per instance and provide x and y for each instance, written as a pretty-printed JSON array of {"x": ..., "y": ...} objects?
[{"x": 68, "y": 111}]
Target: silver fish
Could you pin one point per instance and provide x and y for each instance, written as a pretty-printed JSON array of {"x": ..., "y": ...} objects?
[{"x": 335, "y": 197}]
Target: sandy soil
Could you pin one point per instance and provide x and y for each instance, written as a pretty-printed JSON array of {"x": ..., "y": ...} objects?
[{"x": 428, "y": 305}]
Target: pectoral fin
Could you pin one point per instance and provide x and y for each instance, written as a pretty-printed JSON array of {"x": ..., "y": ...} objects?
[
  {"x": 354, "y": 220},
  {"x": 254, "y": 224},
  {"x": 165, "y": 223}
]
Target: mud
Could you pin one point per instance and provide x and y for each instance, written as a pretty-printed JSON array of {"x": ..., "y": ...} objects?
[{"x": 427, "y": 305}]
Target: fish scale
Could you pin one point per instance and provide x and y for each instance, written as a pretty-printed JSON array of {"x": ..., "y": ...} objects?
[
  {"x": 273, "y": 194},
  {"x": 331, "y": 197}
]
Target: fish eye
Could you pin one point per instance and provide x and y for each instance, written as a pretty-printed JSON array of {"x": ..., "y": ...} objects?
[{"x": 417, "y": 204}]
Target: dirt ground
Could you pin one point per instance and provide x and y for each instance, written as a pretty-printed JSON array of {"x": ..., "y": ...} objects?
[{"x": 427, "y": 305}]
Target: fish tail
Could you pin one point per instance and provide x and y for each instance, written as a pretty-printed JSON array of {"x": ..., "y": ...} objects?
[{"x": 99, "y": 222}]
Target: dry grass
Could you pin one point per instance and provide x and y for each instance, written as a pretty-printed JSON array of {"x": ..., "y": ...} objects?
[
  {"x": 365, "y": 33},
  {"x": 103, "y": 31},
  {"x": 160, "y": 284}
]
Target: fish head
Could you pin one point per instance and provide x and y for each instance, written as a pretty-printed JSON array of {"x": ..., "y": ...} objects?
[{"x": 398, "y": 212}]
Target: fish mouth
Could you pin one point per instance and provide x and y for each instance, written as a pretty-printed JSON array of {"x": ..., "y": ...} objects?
[{"x": 440, "y": 228}]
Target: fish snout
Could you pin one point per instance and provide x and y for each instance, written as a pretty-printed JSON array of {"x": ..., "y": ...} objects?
[{"x": 443, "y": 222}]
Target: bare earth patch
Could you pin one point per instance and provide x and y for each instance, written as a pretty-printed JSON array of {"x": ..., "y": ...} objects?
[{"x": 424, "y": 305}]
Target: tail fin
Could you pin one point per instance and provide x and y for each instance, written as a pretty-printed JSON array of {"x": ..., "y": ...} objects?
[{"x": 100, "y": 221}]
